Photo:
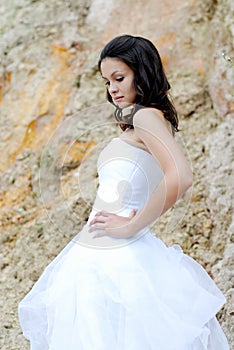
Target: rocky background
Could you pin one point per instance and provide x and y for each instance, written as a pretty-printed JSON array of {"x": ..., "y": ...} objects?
[{"x": 54, "y": 120}]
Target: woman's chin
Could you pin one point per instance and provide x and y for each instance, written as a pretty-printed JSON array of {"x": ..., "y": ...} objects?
[{"x": 123, "y": 104}]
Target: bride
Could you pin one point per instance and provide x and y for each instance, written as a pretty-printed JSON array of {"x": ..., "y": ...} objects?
[{"x": 116, "y": 286}]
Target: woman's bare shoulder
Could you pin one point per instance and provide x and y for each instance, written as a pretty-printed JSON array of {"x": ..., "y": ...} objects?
[{"x": 149, "y": 118}]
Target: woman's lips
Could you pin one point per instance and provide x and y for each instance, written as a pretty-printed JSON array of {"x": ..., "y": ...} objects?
[{"x": 118, "y": 98}]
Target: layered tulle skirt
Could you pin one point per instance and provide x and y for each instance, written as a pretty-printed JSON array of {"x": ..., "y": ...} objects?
[{"x": 139, "y": 296}]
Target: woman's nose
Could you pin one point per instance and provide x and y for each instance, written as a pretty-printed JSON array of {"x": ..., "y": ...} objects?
[{"x": 113, "y": 88}]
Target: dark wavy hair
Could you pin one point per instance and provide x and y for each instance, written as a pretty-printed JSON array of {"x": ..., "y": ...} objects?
[{"x": 150, "y": 81}]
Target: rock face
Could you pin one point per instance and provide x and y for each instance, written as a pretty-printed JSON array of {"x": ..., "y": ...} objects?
[{"x": 54, "y": 121}]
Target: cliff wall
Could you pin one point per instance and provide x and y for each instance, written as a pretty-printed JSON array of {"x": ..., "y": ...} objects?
[{"x": 53, "y": 113}]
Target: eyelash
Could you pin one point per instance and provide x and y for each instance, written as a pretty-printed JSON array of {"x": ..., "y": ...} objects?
[{"x": 118, "y": 79}]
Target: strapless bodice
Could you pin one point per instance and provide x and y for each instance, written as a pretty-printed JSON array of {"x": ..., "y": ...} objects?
[{"x": 127, "y": 177}]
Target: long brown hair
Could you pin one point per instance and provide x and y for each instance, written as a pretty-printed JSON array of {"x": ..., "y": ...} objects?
[{"x": 150, "y": 80}]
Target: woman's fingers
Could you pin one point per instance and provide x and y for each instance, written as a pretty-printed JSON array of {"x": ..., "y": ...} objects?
[
  {"x": 98, "y": 219},
  {"x": 133, "y": 213},
  {"x": 102, "y": 213},
  {"x": 98, "y": 226},
  {"x": 110, "y": 224}
]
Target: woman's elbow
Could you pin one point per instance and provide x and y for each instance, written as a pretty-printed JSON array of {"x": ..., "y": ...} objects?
[{"x": 180, "y": 182}]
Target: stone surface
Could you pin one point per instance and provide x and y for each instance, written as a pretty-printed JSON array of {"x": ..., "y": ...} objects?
[{"x": 54, "y": 121}]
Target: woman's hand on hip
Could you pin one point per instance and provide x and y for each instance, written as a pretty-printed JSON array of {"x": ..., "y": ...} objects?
[{"x": 112, "y": 225}]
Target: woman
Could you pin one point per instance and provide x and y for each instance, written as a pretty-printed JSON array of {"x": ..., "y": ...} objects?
[{"x": 131, "y": 292}]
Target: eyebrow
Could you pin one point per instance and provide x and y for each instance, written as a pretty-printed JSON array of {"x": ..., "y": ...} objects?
[{"x": 113, "y": 73}]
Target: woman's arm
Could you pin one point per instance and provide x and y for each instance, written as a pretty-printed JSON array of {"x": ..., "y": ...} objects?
[{"x": 151, "y": 129}]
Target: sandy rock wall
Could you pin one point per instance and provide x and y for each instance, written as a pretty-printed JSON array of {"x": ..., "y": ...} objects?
[{"x": 53, "y": 113}]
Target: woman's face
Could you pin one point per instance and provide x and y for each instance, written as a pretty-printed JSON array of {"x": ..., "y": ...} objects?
[{"x": 119, "y": 80}]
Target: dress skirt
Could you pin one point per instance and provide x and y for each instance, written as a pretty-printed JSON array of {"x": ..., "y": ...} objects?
[{"x": 139, "y": 296}]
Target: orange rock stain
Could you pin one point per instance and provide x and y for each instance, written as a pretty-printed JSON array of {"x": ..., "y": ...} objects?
[{"x": 47, "y": 104}]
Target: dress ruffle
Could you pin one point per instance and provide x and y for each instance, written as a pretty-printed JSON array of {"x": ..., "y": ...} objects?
[{"x": 141, "y": 296}]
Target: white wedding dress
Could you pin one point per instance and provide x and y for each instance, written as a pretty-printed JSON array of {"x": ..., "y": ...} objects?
[{"x": 123, "y": 294}]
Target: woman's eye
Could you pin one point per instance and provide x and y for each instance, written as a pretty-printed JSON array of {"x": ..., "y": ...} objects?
[{"x": 107, "y": 83}]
